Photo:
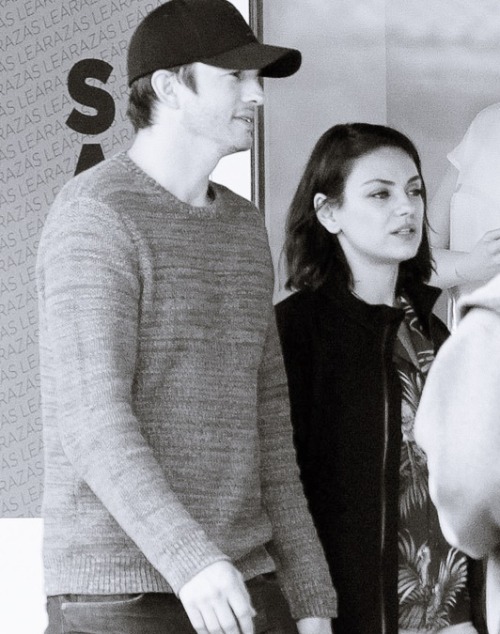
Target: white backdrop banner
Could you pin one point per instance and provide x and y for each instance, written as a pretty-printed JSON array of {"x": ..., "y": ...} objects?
[{"x": 62, "y": 108}]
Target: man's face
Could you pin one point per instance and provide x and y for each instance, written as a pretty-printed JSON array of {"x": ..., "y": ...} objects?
[{"x": 221, "y": 112}]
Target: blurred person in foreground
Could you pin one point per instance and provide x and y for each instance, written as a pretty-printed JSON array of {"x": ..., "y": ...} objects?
[
  {"x": 458, "y": 426},
  {"x": 172, "y": 494},
  {"x": 358, "y": 339},
  {"x": 464, "y": 213}
]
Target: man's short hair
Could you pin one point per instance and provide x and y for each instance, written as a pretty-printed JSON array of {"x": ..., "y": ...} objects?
[{"x": 142, "y": 98}]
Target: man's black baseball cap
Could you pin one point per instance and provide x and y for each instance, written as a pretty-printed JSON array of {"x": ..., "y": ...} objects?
[{"x": 210, "y": 31}]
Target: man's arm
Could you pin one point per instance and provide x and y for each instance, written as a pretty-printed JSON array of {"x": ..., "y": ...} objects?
[{"x": 458, "y": 426}]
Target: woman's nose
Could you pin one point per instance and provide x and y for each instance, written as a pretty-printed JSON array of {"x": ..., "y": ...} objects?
[{"x": 405, "y": 205}]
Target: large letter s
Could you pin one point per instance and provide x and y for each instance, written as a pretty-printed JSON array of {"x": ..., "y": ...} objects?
[{"x": 91, "y": 96}]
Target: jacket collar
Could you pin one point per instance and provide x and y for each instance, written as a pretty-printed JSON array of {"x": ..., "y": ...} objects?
[{"x": 422, "y": 297}]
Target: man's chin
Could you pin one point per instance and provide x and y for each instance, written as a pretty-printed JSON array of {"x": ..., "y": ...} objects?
[{"x": 242, "y": 147}]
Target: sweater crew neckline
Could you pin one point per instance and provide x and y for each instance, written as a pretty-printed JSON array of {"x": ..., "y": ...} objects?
[{"x": 153, "y": 185}]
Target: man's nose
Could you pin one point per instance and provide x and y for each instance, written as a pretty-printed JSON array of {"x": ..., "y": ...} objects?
[{"x": 253, "y": 92}]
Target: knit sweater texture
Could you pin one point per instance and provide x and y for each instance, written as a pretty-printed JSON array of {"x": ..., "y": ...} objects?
[{"x": 167, "y": 437}]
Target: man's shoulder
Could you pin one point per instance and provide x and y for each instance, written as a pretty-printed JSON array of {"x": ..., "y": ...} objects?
[
  {"x": 103, "y": 191},
  {"x": 97, "y": 182},
  {"x": 90, "y": 201}
]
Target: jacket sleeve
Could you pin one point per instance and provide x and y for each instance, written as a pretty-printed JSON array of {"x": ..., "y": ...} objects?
[
  {"x": 299, "y": 371},
  {"x": 295, "y": 547},
  {"x": 458, "y": 426},
  {"x": 90, "y": 280}
]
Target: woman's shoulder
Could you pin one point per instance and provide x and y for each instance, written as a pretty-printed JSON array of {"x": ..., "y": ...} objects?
[
  {"x": 293, "y": 305},
  {"x": 293, "y": 313},
  {"x": 294, "y": 302}
]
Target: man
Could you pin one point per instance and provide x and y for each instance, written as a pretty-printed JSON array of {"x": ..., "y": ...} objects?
[
  {"x": 171, "y": 489},
  {"x": 458, "y": 426}
]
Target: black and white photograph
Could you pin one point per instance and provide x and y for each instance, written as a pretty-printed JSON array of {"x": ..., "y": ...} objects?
[{"x": 249, "y": 317}]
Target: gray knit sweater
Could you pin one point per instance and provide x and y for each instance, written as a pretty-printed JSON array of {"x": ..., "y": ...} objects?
[{"x": 166, "y": 425}]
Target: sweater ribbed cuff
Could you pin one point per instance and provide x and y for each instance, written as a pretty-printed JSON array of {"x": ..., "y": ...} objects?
[
  {"x": 311, "y": 599},
  {"x": 187, "y": 557}
]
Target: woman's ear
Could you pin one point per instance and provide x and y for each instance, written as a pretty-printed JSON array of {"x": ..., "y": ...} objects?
[
  {"x": 326, "y": 213},
  {"x": 163, "y": 83}
]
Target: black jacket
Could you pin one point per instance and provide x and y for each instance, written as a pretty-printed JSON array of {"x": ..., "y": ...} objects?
[{"x": 346, "y": 411}]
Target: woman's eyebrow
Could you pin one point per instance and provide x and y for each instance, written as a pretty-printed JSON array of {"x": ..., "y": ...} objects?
[{"x": 388, "y": 182}]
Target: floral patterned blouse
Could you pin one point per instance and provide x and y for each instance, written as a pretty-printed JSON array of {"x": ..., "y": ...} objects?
[{"x": 432, "y": 575}]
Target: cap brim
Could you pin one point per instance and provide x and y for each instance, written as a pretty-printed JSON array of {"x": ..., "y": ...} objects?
[{"x": 271, "y": 61}]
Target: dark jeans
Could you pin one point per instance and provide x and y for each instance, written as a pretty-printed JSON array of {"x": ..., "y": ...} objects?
[{"x": 155, "y": 613}]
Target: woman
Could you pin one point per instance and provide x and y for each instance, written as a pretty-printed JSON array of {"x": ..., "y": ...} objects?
[
  {"x": 358, "y": 339},
  {"x": 464, "y": 214}
]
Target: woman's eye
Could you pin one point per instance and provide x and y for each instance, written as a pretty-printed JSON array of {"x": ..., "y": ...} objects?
[
  {"x": 416, "y": 192},
  {"x": 383, "y": 193}
]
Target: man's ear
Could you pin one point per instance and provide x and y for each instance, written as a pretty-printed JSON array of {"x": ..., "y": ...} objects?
[
  {"x": 163, "y": 83},
  {"x": 327, "y": 213}
]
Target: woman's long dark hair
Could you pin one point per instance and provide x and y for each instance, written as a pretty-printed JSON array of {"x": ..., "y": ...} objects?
[{"x": 313, "y": 254}]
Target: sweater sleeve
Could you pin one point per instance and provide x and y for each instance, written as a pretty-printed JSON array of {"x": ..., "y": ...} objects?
[
  {"x": 458, "y": 426},
  {"x": 90, "y": 281},
  {"x": 295, "y": 547}
]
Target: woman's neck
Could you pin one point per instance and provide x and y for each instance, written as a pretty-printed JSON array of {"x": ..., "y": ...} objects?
[{"x": 376, "y": 285}]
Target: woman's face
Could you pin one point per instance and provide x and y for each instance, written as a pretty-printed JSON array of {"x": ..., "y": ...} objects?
[{"x": 380, "y": 220}]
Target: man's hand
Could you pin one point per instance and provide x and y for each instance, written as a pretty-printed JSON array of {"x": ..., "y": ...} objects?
[
  {"x": 483, "y": 261},
  {"x": 216, "y": 601},
  {"x": 314, "y": 625}
]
